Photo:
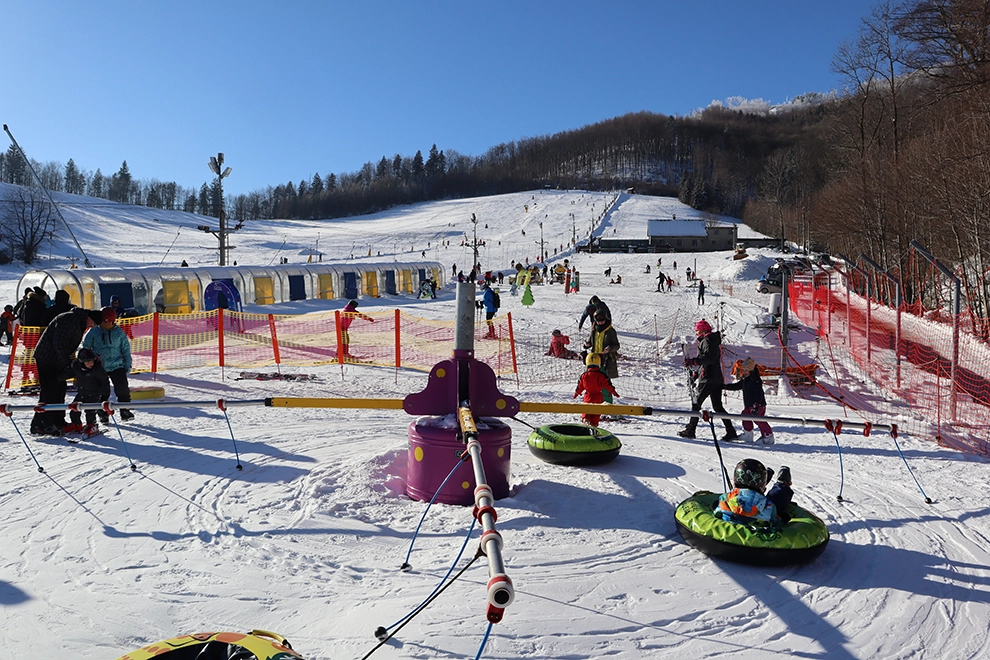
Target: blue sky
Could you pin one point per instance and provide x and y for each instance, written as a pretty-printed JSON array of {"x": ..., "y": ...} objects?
[{"x": 292, "y": 88}]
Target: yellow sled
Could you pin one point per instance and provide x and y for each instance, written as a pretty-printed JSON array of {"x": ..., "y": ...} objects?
[{"x": 262, "y": 644}]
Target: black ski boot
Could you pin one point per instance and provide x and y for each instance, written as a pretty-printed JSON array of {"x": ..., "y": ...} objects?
[
  {"x": 126, "y": 415},
  {"x": 784, "y": 476},
  {"x": 687, "y": 432},
  {"x": 730, "y": 436}
]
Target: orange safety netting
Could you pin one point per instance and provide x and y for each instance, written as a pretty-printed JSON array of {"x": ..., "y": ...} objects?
[
  {"x": 221, "y": 338},
  {"x": 927, "y": 387}
]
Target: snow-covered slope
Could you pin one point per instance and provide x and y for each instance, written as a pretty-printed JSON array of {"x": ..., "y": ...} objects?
[{"x": 308, "y": 538}]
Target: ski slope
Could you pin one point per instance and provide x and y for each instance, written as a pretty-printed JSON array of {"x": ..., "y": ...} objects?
[{"x": 307, "y": 539}]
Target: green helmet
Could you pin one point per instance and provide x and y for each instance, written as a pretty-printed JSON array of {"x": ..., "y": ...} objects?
[{"x": 750, "y": 473}]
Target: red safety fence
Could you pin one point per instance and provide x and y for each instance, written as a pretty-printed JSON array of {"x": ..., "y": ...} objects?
[
  {"x": 221, "y": 338},
  {"x": 934, "y": 377}
]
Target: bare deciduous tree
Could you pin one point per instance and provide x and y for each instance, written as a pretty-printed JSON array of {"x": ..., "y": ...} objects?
[{"x": 26, "y": 220}]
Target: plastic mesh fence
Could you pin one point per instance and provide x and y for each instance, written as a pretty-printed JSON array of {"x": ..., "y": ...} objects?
[
  {"x": 162, "y": 342},
  {"x": 909, "y": 357}
]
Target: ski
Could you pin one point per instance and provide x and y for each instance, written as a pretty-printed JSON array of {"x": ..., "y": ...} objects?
[
  {"x": 257, "y": 375},
  {"x": 76, "y": 438},
  {"x": 692, "y": 376}
]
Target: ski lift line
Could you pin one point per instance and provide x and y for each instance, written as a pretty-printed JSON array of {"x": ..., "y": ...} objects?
[
  {"x": 398, "y": 404},
  {"x": 54, "y": 205},
  {"x": 406, "y": 566},
  {"x": 389, "y": 635},
  {"x": 170, "y": 246}
]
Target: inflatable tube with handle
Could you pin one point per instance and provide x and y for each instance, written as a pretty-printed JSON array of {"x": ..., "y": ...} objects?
[
  {"x": 573, "y": 444},
  {"x": 802, "y": 538}
]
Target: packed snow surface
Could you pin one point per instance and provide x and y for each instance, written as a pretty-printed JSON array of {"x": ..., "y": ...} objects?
[{"x": 308, "y": 538}]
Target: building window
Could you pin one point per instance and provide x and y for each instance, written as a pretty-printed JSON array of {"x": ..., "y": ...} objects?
[
  {"x": 716, "y": 231},
  {"x": 694, "y": 243},
  {"x": 678, "y": 242}
]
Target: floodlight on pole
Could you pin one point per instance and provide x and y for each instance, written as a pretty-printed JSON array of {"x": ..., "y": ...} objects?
[{"x": 216, "y": 162}]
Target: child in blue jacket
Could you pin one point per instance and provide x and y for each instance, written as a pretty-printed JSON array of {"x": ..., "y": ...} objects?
[{"x": 746, "y": 503}]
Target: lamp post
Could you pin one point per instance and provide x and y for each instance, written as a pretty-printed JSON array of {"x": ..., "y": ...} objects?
[
  {"x": 541, "y": 241},
  {"x": 215, "y": 164}
]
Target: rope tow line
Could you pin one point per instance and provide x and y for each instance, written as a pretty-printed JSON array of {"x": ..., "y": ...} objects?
[{"x": 398, "y": 404}]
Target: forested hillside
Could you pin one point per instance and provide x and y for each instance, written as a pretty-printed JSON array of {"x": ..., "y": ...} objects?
[{"x": 901, "y": 154}]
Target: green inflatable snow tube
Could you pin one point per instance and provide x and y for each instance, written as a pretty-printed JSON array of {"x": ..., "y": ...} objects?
[
  {"x": 802, "y": 538},
  {"x": 573, "y": 444}
]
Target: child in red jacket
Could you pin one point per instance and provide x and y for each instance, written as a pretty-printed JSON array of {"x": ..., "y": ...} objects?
[{"x": 593, "y": 382}]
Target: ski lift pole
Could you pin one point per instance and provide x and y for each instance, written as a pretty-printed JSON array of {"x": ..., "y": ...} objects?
[
  {"x": 956, "y": 312},
  {"x": 500, "y": 590},
  {"x": 54, "y": 205},
  {"x": 897, "y": 308}
]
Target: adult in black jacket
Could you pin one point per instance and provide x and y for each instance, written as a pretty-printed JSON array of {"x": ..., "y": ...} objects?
[
  {"x": 34, "y": 311},
  {"x": 61, "y": 305},
  {"x": 710, "y": 380},
  {"x": 594, "y": 305},
  {"x": 53, "y": 357}
]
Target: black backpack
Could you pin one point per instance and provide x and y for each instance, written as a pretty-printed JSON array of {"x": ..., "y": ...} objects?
[{"x": 496, "y": 299}]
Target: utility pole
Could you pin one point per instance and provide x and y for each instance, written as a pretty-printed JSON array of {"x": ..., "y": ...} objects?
[{"x": 542, "y": 254}]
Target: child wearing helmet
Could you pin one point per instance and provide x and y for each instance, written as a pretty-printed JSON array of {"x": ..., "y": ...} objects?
[
  {"x": 710, "y": 379},
  {"x": 592, "y": 384},
  {"x": 558, "y": 346},
  {"x": 111, "y": 343},
  {"x": 92, "y": 386},
  {"x": 746, "y": 503}
]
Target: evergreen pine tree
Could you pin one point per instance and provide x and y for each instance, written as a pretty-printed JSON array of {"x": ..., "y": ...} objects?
[{"x": 527, "y": 297}]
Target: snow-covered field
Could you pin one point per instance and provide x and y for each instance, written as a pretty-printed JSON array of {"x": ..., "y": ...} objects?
[{"x": 307, "y": 540}]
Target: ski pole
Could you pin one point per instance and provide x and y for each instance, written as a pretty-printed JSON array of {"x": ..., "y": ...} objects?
[
  {"x": 718, "y": 450},
  {"x": 110, "y": 412},
  {"x": 10, "y": 416},
  {"x": 222, "y": 405},
  {"x": 893, "y": 436},
  {"x": 836, "y": 429}
]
